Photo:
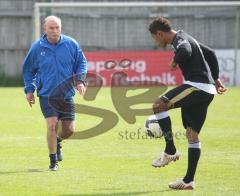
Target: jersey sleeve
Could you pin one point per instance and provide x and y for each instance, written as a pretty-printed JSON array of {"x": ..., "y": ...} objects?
[
  {"x": 29, "y": 71},
  {"x": 80, "y": 65},
  {"x": 211, "y": 59},
  {"x": 183, "y": 51}
]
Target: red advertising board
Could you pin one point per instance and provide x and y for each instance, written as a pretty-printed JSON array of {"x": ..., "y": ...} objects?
[{"x": 144, "y": 66}]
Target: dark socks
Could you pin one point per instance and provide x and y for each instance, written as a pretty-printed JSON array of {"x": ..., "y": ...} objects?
[
  {"x": 166, "y": 126},
  {"x": 194, "y": 152},
  {"x": 53, "y": 158}
]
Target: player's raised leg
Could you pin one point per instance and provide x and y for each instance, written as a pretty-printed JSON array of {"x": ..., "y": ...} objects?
[{"x": 160, "y": 110}]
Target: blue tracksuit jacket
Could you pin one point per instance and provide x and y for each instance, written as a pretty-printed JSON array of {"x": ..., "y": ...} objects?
[{"x": 47, "y": 65}]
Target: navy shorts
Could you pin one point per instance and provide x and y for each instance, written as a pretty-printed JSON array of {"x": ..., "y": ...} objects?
[
  {"x": 193, "y": 103},
  {"x": 62, "y": 109}
]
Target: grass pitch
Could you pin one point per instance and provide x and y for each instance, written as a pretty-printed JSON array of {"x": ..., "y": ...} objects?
[{"x": 117, "y": 162}]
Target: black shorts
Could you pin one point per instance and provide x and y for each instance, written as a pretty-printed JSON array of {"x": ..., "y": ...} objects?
[
  {"x": 193, "y": 103},
  {"x": 62, "y": 109}
]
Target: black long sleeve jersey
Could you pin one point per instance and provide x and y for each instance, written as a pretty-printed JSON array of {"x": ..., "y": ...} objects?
[{"x": 197, "y": 62}]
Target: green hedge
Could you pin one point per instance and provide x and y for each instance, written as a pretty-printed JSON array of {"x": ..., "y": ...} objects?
[{"x": 10, "y": 80}]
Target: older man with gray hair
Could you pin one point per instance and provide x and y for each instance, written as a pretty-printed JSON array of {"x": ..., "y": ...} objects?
[{"x": 50, "y": 61}]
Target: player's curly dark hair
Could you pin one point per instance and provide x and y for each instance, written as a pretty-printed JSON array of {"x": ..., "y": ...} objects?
[{"x": 160, "y": 23}]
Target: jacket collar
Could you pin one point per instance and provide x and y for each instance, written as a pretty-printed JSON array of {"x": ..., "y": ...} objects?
[{"x": 45, "y": 43}]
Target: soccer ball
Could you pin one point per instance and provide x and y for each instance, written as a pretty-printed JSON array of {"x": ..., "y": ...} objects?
[{"x": 152, "y": 128}]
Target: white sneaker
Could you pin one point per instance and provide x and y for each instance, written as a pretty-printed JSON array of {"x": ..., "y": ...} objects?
[
  {"x": 165, "y": 159},
  {"x": 53, "y": 167},
  {"x": 181, "y": 185}
]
